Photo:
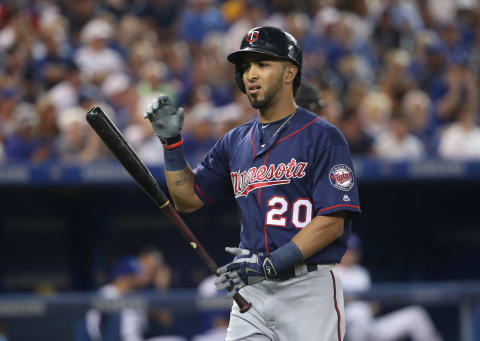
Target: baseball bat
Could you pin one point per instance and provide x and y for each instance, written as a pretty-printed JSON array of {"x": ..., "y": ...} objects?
[{"x": 117, "y": 144}]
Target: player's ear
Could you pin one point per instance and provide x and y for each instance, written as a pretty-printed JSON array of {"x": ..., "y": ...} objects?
[{"x": 290, "y": 71}]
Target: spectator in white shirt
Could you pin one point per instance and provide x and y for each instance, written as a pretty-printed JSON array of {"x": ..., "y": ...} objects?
[
  {"x": 65, "y": 93},
  {"x": 397, "y": 143},
  {"x": 95, "y": 58},
  {"x": 461, "y": 140}
]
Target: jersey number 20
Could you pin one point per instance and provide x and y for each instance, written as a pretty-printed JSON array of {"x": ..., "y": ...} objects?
[{"x": 301, "y": 212}]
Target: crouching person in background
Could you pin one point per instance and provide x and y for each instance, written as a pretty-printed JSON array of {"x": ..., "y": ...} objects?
[{"x": 363, "y": 322}]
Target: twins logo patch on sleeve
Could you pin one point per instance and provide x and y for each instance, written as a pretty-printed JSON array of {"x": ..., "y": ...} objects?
[{"x": 341, "y": 177}]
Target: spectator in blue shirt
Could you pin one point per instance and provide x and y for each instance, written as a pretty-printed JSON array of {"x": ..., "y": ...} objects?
[
  {"x": 199, "y": 19},
  {"x": 24, "y": 142}
]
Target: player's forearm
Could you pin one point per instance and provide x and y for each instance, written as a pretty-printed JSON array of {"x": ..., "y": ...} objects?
[
  {"x": 180, "y": 179},
  {"x": 318, "y": 234},
  {"x": 181, "y": 187},
  {"x": 167, "y": 122}
]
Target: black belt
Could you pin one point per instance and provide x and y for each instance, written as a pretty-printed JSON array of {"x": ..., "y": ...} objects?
[{"x": 290, "y": 272}]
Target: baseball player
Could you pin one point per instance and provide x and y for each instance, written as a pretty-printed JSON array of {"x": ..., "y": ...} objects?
[{"x": 291, "y": 174}]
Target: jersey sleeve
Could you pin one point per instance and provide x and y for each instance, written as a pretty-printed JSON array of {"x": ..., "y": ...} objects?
[
  {"x": 334, "y": 183},
  {"x": 212, "y": 175}
]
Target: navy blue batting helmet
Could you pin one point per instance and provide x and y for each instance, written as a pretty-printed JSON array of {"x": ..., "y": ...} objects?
[{"x": 271, "y": 41}]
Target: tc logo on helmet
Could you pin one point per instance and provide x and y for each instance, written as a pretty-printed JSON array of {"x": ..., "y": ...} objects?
[{"x": 252, "y": 36}]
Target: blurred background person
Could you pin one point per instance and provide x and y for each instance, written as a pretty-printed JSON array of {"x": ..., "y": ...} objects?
[
  {"x": 199, "y": 133},
  {"x": 395, "y": 78},
  {"x": 52, "y": 53},
  {"x": 147, "y": 273},
  {"x": 65, "y": 94},
  {"x": 417, "y": 108},
  {"x": 152, "y": 262},
  {"x": 140, "y": 136},
  {"x": 72, "y": 146},
  {"x": 461, "y": 89},
  {"x": 48, "y": 128},
  {"x": 364, "y": 322},
  {"x": 10, "y": 97},
  {"x": 375, "y": 111},
  {"x": 121, "y": 94},
  {"x": 161, "y": 324},
  {"x": 23, "y": 143},
  {"x": 215, "y": 321},
  {"x": 95, "y": 58},
  {"x": 125, "y": 325},
  {"x": 461, "y": 139},
  {"x": 309, "y": 97},
  {"x": 397, "y": 143},
  {"x": 153, "y": 80},
  {"x": 359, "y": 141},
  {"x": 199, "y": 18}
]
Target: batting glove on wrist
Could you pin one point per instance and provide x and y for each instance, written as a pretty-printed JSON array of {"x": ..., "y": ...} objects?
[
  {"x": 166, "y": 119},
  {"x": 247, "y": 268}
]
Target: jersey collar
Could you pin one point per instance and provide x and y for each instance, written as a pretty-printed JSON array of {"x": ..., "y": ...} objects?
[{"x": 256, "y": 134}]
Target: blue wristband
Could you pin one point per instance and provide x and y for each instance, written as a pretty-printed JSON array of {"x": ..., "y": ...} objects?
[
  {"x": 174, "y": 159},
  {"x": 286, "y": 256}
]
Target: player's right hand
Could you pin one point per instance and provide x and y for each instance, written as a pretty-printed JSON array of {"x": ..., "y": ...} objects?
[
  {"x": 247, "y": 268},
  {"x": 166, "y": 119}
]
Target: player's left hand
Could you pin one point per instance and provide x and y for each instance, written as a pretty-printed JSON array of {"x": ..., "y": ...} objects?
[
  {"x": 247, "y": 268},
  {"x": 166, "y": 119}
]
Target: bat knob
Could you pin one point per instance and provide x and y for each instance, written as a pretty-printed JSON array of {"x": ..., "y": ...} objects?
[{"x": 245, "y": 308}]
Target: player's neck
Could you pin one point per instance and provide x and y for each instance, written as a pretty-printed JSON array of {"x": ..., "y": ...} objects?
[{"x": 282, "y": 107}]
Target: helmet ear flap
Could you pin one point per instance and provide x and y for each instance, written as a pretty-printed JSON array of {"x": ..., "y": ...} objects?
[{"x": 239, "y": 77}]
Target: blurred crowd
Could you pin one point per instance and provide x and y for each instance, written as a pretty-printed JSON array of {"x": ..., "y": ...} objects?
[{"x": 399, "y": 78}]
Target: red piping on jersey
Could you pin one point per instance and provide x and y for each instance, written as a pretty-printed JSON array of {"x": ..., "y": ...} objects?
[
  {"x": 253, "y": 144},
  {"x": 260, "y": 190},
  {"x": 335, "y": 206},
  {"x": 297, "y": 131},
  {"x": 258, "y": 200},
  {"x": 266, "y": 242},
  {"x": 339, "y": 333},
  {"x": 203, "y": 195}
]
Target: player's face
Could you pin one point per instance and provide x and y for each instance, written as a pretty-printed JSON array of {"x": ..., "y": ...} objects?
[{"x": 263, "y": 80}]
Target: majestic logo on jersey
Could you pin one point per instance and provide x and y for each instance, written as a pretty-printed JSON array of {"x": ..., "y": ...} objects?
[
  {"x": 264, "y": 176},
  {"x": 341, "y": 177}
]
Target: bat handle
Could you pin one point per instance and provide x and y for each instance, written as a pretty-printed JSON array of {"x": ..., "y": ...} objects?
[{"x": 242, "y": 303}]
